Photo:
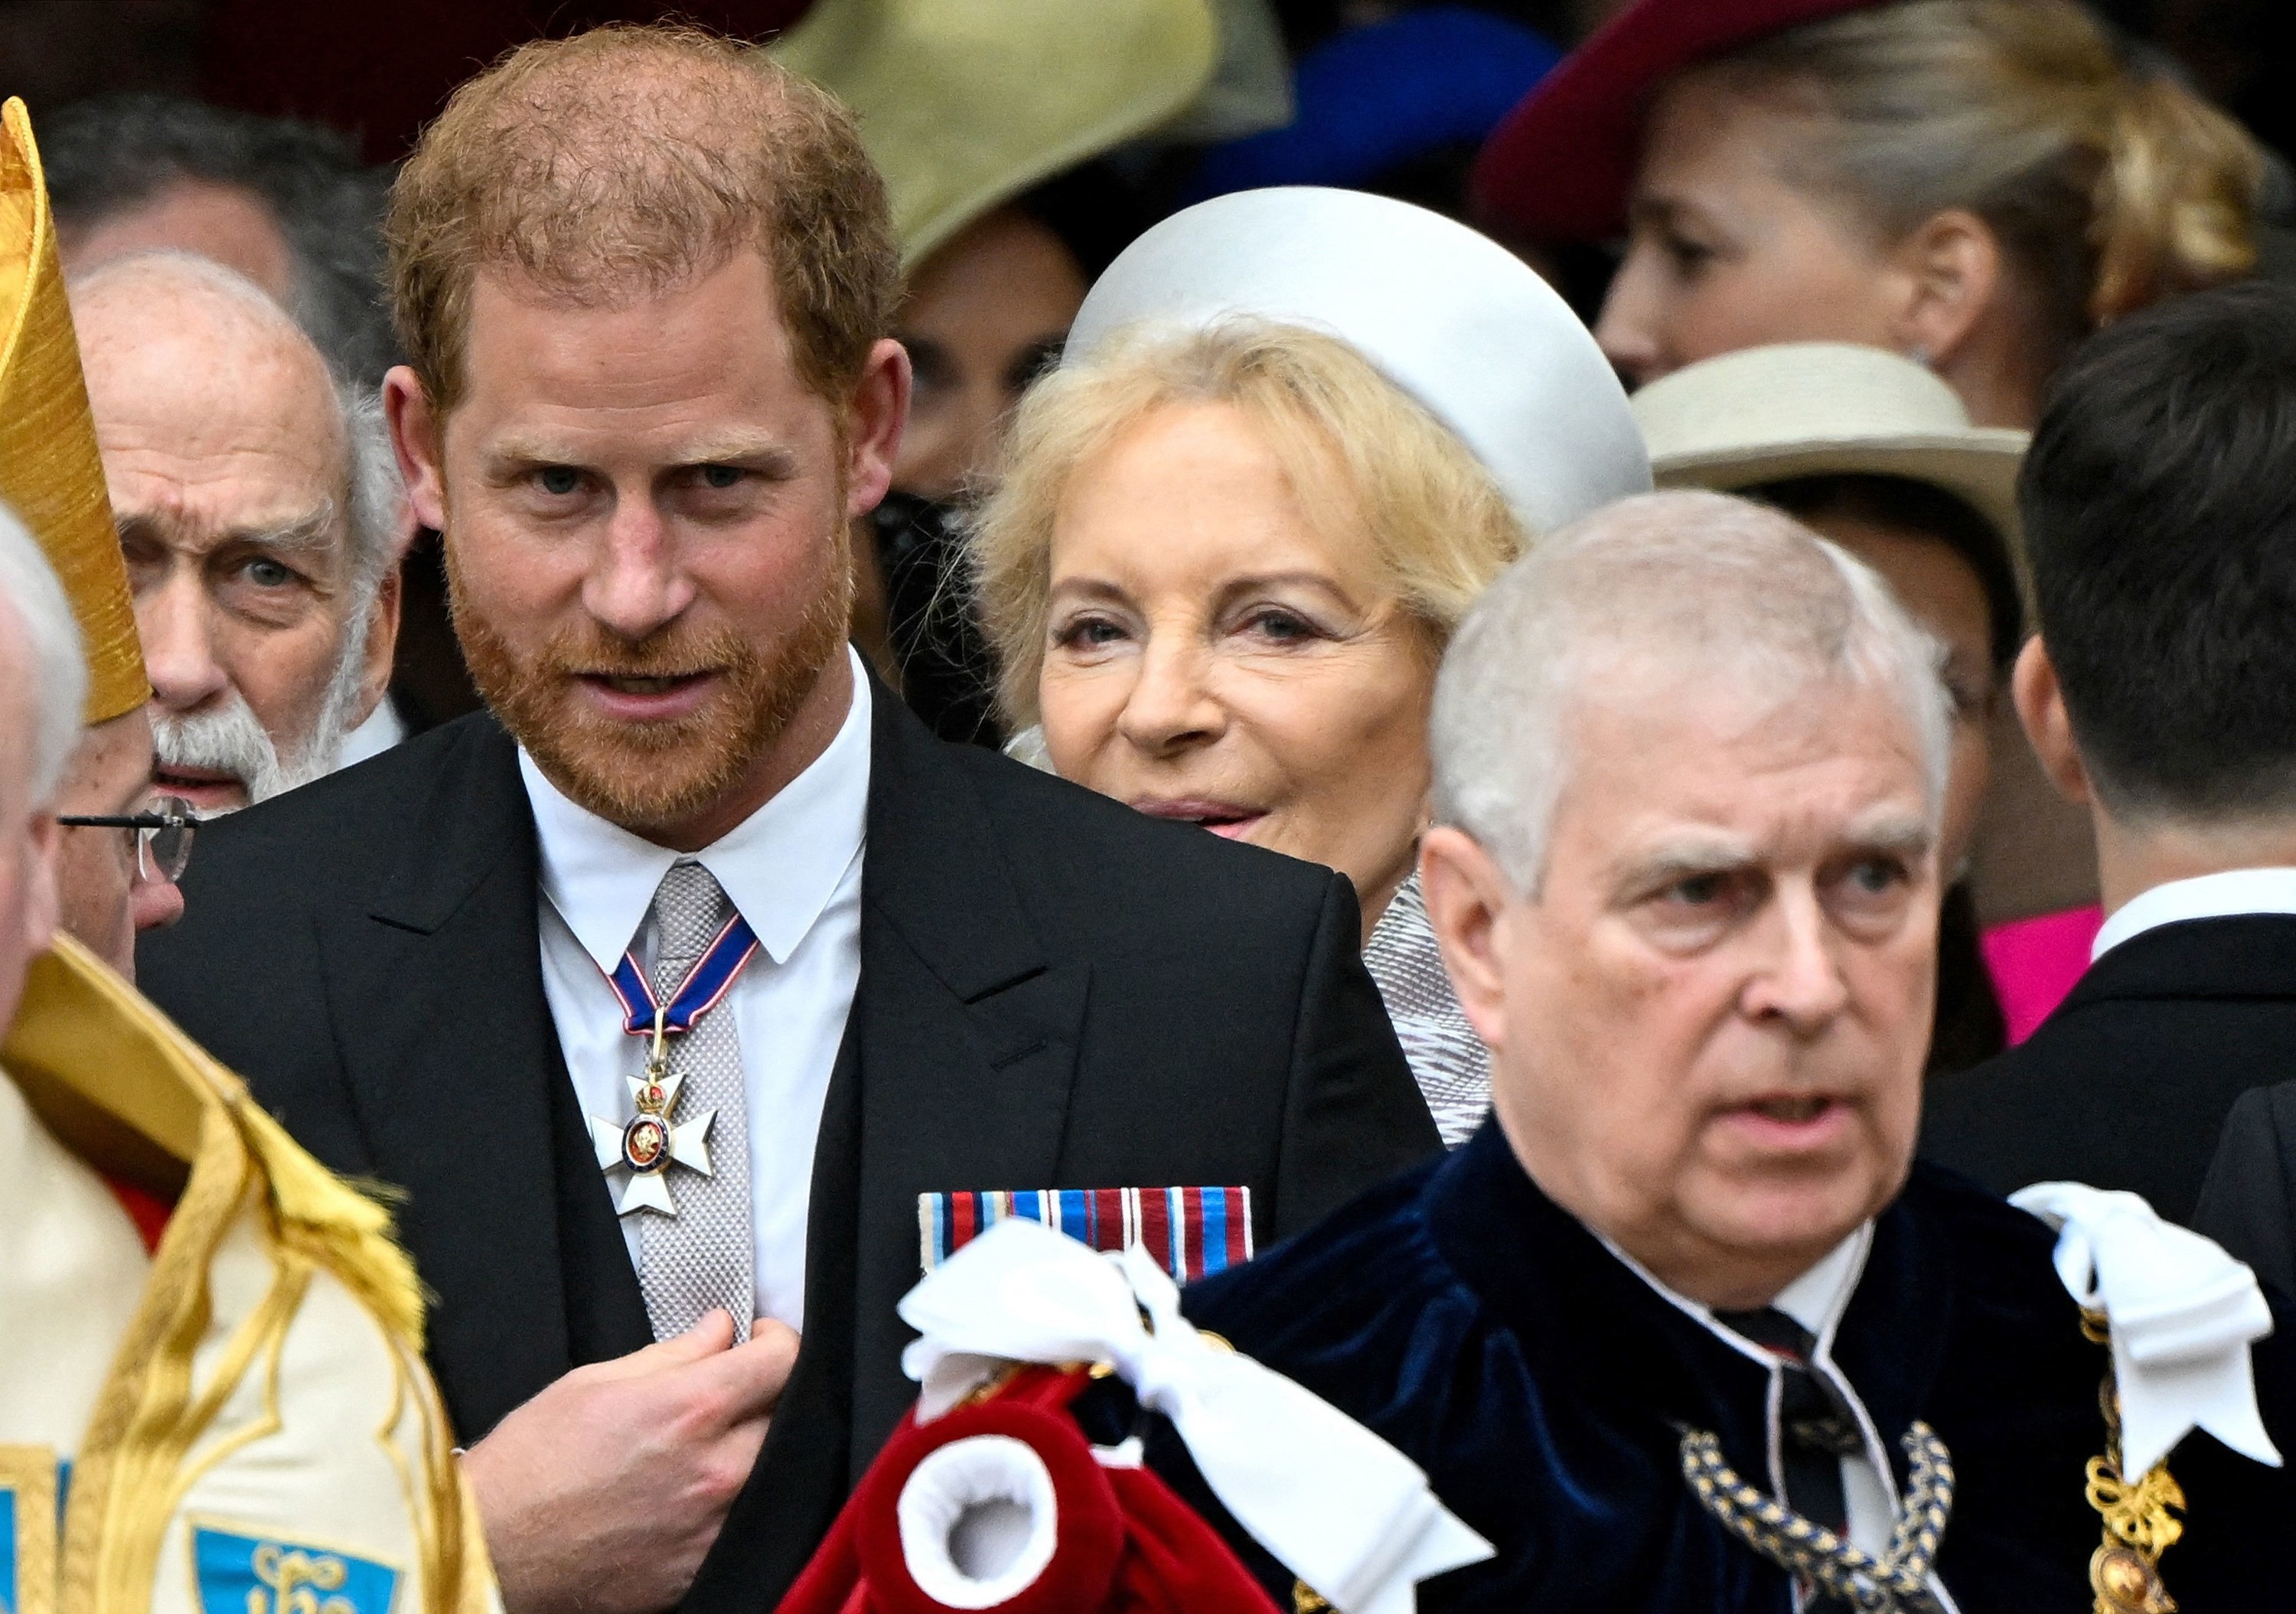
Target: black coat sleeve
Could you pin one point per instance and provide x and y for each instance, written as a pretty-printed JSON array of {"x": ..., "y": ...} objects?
[
  {"x": 2246, "y": 1201},
  {"x": 1353, "y": 1115}
]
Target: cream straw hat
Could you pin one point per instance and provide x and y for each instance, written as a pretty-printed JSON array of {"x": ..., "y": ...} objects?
[{"x": 1797, "y": 409}]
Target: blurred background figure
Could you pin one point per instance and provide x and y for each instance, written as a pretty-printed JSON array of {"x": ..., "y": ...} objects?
[
  {"x": 1233, "y": 533},
  {"x": 1875, "y": 452},
  {"x": 1973, "y": 184},
  {"x": 1977, "y": 184},
  {"x": 1398, "y": 105},
  {"x": 257, "y": 507},
  {"x": 288, "y": 204},
  {"x": 986, "y": 123}
]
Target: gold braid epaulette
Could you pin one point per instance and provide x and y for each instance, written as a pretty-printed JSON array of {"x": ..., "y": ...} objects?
[{"x": 2125, "y": 1570}]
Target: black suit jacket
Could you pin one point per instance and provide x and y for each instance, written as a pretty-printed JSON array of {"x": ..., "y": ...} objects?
[
  {"x": 1054, "y": 992},
  {"x": 2128, "y": 1083},
  {"x": 2248, "y": 1204}
]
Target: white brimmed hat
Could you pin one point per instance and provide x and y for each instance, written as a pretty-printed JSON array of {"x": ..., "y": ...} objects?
[
  {"x": 1456, "y": 320},
  {"x": 1799, "y": 409}
]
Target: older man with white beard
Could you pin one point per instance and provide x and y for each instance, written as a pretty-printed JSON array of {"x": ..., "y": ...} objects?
[{"x": 256, "y": 505}]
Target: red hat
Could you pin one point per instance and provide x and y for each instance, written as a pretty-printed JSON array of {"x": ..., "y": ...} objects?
[
  {"x": 1003, "y": 1507},
  {"x": 1559, "y": 167}
]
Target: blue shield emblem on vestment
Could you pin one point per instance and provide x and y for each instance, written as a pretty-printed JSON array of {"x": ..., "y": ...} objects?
[
  {"x": 270, "y": 1575},
  {"x": 10, "y": 1601}
]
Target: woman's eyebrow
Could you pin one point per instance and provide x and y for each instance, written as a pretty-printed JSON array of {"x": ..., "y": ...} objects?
[{"x": 1321, "y": 582}]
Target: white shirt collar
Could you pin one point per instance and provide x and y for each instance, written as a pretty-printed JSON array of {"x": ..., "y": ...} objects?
[
  {"x": 780, "y": 866},
  {"x": 1816, "y": 1299},
  {"x": 2203, "y": 896}
]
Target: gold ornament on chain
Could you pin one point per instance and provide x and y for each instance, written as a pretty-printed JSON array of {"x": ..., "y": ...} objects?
[{"x": 2124, "y": 1572}]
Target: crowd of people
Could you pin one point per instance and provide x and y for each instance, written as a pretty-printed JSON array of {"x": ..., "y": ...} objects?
[{"x": 1175, "y": 880}]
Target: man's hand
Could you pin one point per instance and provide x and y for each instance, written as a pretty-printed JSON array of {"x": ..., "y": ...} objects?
[{"x": 603, "y": 1494}]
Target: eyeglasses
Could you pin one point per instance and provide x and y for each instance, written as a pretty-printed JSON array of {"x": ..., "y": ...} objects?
[{"x": 163, "y": 836}]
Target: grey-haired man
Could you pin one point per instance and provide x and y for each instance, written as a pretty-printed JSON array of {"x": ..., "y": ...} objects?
[
  {"x": 258, "y": 507},
  {"x": 1678, "y": 1330}
]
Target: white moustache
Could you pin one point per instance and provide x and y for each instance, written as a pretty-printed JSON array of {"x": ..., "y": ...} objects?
[{"x": 228, "y": 739}]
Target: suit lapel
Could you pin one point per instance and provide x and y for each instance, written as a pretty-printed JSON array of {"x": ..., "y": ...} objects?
[
  {"x": 800, "y": 1482},
  {"x": 967, "y": 1036},
  {"x": 954, "y": 1072},
  {"x": 1890, "y": 1343},
  {"x": 454, "y": 1068}
]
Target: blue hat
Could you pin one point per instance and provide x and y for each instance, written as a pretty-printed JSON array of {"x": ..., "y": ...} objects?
[{"x": 1378, "y": 95}]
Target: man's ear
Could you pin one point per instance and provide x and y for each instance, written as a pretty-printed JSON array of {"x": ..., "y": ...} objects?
[
  {"x": 2040, "y": 705},
  {"x": 417, "y": 437},
  {"x": 382, "y": 644},
  {"x": 1952, "y": 268},
  {"x": 1467, "y": 896},
  {"x": 878, "y": 411}
]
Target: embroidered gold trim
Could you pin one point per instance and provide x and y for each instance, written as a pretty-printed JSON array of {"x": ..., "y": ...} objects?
[{"x": 163, "y": 1093}]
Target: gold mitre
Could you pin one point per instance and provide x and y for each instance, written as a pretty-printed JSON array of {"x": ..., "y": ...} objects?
[{"x": 50, "y": 472}]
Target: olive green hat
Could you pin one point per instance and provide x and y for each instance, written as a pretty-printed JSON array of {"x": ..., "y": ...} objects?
[{"x": 964, "y": 106}]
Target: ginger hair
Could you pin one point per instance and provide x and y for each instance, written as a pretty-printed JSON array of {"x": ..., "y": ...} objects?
[
  {"x": 2109, "y": 189},
  {"x": 630, "y": 160},
  {"x": 1358, "y": 452}
]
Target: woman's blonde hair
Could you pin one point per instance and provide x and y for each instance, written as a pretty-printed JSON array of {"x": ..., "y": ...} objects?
[
  {"x": 1360, "y": 453},
  {"x": 2108, "y": 188}
]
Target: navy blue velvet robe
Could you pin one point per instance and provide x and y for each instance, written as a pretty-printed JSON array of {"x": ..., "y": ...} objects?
[{"x": 1544, "y": 1387}]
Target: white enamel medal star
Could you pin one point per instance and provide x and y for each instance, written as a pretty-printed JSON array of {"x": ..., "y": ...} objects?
[{"x": 650, "y": 1143}]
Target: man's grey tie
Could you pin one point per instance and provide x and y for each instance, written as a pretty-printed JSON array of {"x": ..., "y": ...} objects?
[{"x": 700, "y": 1258}]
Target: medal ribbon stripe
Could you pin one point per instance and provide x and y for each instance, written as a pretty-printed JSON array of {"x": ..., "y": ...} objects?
[
  {"x": 1190, "y": 1233},
  {"x": 705, "y": 985},
  {"x": 1189, "y": 1224},
  {"x": 1156, "y": 1229}
]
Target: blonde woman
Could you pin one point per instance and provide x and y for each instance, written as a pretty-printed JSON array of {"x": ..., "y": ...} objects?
[
  {"x": 1975, "y": 184},
  {"x": 1299, "y": 433}
]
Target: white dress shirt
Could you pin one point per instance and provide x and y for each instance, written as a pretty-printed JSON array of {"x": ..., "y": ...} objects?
[
  {"x": 2234, "y": 891},
  {"x": 1817, "y": 1300},
  {"x": 383, "y": 729},
  {"x": 793, "y": 869}
]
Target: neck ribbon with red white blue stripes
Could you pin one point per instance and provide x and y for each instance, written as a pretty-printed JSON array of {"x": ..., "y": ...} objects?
[{"x": 712, "y": 975}]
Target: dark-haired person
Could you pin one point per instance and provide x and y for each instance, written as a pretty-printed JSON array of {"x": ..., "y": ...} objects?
[
  {"x": 1870, "y": 450},
  {"x": 287, "y": 204},
  {"x": 2160, "y": 505}
]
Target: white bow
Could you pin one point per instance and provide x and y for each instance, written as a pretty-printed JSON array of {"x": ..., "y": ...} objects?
[
  {"x": 1344, "y": 1511},
  {"x": 2183, "y": 1314}
]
